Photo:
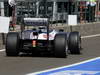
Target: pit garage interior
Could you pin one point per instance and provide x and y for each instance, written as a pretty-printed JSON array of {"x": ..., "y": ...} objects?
[{"x": 56, "y": 10}]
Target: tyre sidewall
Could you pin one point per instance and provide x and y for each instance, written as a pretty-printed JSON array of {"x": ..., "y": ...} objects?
[{"x": 12, "y": 44}]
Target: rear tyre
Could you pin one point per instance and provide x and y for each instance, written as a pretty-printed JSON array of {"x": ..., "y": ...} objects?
[
  {"x": 74, "y": 42},
  {"x": 60, "y": 45},
  {"x": 12, "y": 44}
]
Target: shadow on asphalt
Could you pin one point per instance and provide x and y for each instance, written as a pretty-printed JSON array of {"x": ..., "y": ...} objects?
[{"x": 46, "y": 55}]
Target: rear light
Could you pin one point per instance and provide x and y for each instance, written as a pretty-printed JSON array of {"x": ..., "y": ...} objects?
[{"x": 34, "y": 43}]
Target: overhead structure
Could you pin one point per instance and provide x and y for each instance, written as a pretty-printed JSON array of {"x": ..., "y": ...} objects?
[{"x": 57, "y": 10}]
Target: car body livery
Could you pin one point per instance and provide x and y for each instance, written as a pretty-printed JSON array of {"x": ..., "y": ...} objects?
[{"x": 42, "y": 39}]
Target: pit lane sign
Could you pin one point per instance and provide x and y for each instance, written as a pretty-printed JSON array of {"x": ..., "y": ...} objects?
[{"x": 89, "y": 67}]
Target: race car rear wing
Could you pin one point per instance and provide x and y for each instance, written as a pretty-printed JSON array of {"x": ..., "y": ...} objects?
[{"x": 36, "y": 21}]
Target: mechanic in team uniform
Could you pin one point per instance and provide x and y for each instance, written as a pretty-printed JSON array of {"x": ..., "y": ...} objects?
[{"x": 11, "y": 13}]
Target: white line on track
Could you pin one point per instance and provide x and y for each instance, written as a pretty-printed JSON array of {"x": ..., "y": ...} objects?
[
  {"x": 90, "y": 36},
  {"x": 35, "y": 73},
  {"x": 2, "y": 50}
]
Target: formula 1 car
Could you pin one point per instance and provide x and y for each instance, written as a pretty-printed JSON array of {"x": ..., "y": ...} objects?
[{"x": 41, "y": 39}]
